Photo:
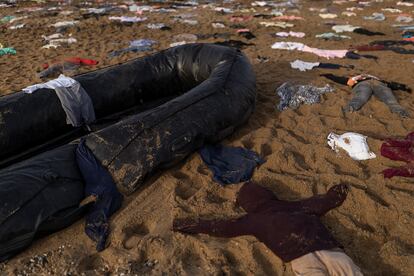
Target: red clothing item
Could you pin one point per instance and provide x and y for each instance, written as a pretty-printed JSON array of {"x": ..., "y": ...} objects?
[
  {"x": 82, "y": 61},
  {"x": 76, "y": 61},
  {"x": 363, "y": 48},
  {"x": 290, "y": 229},
  {"x": 399, "y": 150}
]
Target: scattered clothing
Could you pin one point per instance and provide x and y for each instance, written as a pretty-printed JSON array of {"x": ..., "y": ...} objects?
[
  {"x": 246, "y": 34},
  {"x": 332, "y": 36},
  {"x": 391, "y": 10},
  {"x": 363, "y": 91},
  {"x": 399, "y": 150},
  {"x": 376, "y": 16},
  {"x": 292, "y": 96},
  {"x": 354, "y": 29},
  {"x": 230, "y": 165},
  {"x": 218, "y": 25},
  {"x": 344, "y": 28},
  {"x": 7, "y": 19},
  {"x": 304, "y": 66},
  {"x": 234, "y": 43},
  {"x": 282, "y": 25},
  {"x": 328, "y": 15},
  {"x": 406, "y": 28},
  {"x": 348, "y": 13},
  {"x": 158, "y": 26},
  {"x": 386, "y": 46},
  {"x": 345, "y": 81},
  {"x": 407, "y": 4},
  {"x": 139, "y": 45},
  {"x": 7, "y": 51},
  {"x": 240, "y": 18},
  {"x": 364, "y": 86},
  {"x": 404, "y": 19},
  {"x": 56, "y": 40},
  {"x": 64, "y": 24},
  {"x": 75, "y": 101},
  {"x": 291, "y": 229},
  {"x": 293, "y": 34},
  {"x": 70, "y": 64},
  {"x": 101, "y": 189},
  {"x": 128, "y": 19},
  {"x": 288, "y": 17},
  {"x": 304, "y": 48},
  {"x": 182, "y": 39},
  {"x": 354, "y": 144}
]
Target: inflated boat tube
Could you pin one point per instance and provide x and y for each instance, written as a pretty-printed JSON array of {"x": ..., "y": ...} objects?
[
  {"x": 212, "y": 89},
  {"x": 221, "y": 96},
  {"x": 28, "y": 120}
]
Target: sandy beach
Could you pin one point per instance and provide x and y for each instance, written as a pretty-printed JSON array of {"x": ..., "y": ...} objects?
[{"x": 375, "y": 224}]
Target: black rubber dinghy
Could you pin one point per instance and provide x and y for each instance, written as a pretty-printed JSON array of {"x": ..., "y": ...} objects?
[{"x": 192, "y": 94}]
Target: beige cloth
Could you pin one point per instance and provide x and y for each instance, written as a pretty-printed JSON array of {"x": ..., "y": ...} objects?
[{"x": 332, "y": 262}]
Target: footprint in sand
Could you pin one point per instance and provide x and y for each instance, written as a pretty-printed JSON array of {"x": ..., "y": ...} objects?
[
  {"x": 265, "y": 150},
  {"x": 180, "y": 175},
  {"x": 202, "y": 169},
  {"x": 91, "y": 263},
  {"x": 133, "y": 234},
  {"x": 186, "y": 189},
  {"x": 213, "y": 198}
]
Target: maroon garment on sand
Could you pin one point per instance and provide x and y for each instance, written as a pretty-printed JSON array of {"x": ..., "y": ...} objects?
[
  {"x": 399, "y": 150},
  {"x": 290, "y": 229}
]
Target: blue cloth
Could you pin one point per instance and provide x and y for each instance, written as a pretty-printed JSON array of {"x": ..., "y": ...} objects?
[
  {"x": 230, "y": 164},
  {"x": 139, "y": 45},
  {"x": 98, "y": 183}
]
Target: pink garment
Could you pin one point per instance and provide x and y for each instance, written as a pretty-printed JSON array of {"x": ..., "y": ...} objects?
[
  {"x": 325, "y": 53},
  {"x": 240, "y": 18},
  {"x": 288, "y": 17}
]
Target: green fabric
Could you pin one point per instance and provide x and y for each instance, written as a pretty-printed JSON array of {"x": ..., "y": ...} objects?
[
  {"x": 7, "y": 18},
  {"x": 7, "y": 51}
]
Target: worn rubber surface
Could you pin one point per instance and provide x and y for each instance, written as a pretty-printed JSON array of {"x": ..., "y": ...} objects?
[{"x": 212, "y": 91}]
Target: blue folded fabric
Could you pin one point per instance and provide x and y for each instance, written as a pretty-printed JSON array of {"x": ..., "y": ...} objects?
[
  {"x": 98, "y": 183},
  {"x": 230, "y": 164}
]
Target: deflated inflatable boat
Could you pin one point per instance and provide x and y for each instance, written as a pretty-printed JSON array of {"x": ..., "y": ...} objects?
[{"x": 193, "y": 94}]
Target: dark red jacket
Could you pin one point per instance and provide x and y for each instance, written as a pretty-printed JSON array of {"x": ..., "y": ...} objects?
[{"x": 290, "y": 229}]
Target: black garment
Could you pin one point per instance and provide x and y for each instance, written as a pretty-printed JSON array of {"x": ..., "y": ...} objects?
[
  {"x": 290, "y": 229},
  {"x": 366, "y": 32},
  {"x": 353, "y": 55},
  {"x": 333, "y": 66},
  {"x": 234, "y": 43},
  {"x": 391, "y": 84},
  {"x": 264, "y": 16},
  {"x": 388, "y": 43},
  {"x": 237, "y": 26},
  {"x": 400, "y": 50},
  {"x": 408, "y": 34},
  {"x": 337, "y": 79},
  {"x": 215, "y": 35},
  {"x": 247, "y": 35}
]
